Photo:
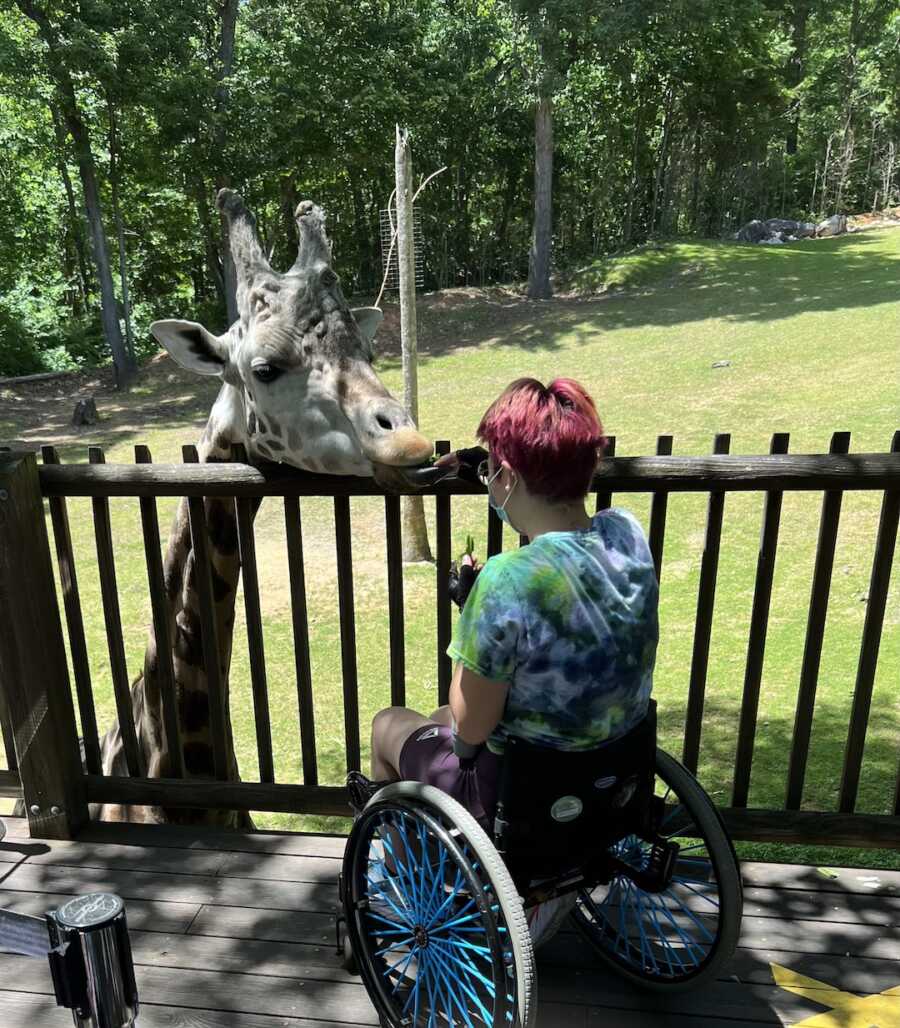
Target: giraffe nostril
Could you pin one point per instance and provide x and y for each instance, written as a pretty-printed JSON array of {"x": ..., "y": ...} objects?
[{"x": 384, "y": 423}]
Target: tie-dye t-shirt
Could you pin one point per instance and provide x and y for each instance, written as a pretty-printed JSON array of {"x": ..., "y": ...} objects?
[{"x": 570, "y": 621}]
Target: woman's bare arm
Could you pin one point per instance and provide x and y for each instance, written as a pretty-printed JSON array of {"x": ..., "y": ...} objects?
[{"x": 476, "y": 704}]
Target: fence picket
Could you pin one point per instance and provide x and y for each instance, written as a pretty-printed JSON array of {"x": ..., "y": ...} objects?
[
  {"x": 215, "y": 682},
  {"x": 815, "y": 632},
  {"x": 442, "y": 526},
  {"x": 244, "y": 511},
  {"x": 756, "y": 645},
  {"x": 658, "y": 509},
  {"x": 344, "y": 544},
  {"x": 300, "y": 623},
  {"x": 65, "y": 559},
  {"x": 706, "y": 598},
  {"x": 879, "y": 583},
  {"x": 159, "y": 605},
  {"x": 604, "y": 496},
  {"x": 394, "y": 538},
  {"x": 134, "y": 759}
]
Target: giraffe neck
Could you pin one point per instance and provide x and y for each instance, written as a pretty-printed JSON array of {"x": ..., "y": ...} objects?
[{"x": 224, "y": 428}]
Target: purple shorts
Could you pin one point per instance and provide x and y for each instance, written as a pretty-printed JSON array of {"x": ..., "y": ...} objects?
[{"x": 427, "y": 756}]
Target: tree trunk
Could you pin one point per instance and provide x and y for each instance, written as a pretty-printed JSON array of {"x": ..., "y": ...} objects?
[
  {"x": 662, "y": 157},
  {"x": 76, "y": 226},
  {"x": 114, "y": 170},
  {"x": 796, "y": 68},
  {"x": 415, "y": 534},
  {"x": 226, "y": 63},
  {"x": 539, "y": 287},
  {"x": 210, "y": 248},
  {"x": 87, "y": 169}
]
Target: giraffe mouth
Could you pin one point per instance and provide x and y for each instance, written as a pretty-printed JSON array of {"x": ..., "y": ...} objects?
[{"x": 419, "y": 476}]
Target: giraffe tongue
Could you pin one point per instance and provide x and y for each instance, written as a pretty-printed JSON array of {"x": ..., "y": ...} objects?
[{"x": 390, "y": 476}]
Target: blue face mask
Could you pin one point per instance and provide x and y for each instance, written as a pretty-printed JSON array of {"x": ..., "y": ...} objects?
[{"x": 500, "y": 508}]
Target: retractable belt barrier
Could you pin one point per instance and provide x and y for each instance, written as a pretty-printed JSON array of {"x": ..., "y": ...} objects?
[{"x": 86, "y": 941}]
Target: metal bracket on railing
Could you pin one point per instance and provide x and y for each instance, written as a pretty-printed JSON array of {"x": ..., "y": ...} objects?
[{"x": 87, "y": 944}]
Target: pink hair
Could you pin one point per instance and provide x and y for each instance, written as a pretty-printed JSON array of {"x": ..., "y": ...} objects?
[{"x": 550, "y": 434}]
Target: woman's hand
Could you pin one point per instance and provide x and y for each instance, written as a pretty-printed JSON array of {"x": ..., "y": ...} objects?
[
  {"x": 463, "y": 463},
  {"x": 462, "y": 578}
]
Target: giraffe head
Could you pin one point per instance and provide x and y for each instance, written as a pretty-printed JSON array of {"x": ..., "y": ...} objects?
[{"x": 300, "y": 360}]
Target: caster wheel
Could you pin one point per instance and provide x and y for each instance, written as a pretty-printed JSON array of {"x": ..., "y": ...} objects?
[{"x": 348, "y": 961}]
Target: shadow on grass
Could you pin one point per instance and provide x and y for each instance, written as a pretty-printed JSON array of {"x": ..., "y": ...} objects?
[{"x": 732, "y": 282}]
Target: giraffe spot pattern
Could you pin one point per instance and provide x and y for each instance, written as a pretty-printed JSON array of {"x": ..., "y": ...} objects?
[
  {"x": 188, "y": 640},
  {"x": 194, "y": 709},
  {"x": 222, "y": 527},
  {"x": 198, "y": 758},
  {"x": 221, "y": 588}
]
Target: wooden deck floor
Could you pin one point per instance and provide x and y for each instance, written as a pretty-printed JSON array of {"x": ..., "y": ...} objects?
[{"x": 237, "y": 931}]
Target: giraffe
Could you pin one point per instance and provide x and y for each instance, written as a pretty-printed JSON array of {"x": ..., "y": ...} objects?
[{"x": 298, "y": 387}]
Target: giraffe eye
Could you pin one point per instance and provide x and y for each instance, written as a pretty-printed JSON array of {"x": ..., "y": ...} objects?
[{"x": 267, "y": 372}]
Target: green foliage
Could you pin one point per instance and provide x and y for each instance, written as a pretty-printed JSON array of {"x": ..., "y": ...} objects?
[{"x": 670, "y": 119}]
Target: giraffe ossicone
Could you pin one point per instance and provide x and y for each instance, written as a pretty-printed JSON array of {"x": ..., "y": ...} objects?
[{"x": 298, "y": 386}]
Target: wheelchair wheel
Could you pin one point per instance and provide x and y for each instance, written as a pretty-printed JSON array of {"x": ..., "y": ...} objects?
[
  {"x": 433, "y": 917},
  {"x": 679, "y": 936}
]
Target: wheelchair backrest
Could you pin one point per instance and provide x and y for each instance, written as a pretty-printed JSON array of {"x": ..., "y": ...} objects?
[{"x": 557, "y": 809}]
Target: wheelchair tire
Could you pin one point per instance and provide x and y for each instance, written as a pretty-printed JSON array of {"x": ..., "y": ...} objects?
[
  {"x": 454, "y": 920},
  {"x": 679, "y": 938}
]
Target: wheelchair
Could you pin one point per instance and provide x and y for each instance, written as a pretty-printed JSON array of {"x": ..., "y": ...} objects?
[{"x": 434, "y": 911}]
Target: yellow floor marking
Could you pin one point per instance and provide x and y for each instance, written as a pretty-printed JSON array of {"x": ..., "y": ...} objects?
[{"x": 847, "y": 1010}]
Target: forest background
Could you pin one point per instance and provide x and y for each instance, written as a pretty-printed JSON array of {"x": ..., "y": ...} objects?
[{"x": 119, "y": 120}]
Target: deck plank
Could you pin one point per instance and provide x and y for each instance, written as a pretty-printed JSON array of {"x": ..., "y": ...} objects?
[
  {"x": 21, "y": 1009},
  {"x": 181, "y": 888},
  {"x": 151, "y": 915},
  {"x": 230, "y": 929}
]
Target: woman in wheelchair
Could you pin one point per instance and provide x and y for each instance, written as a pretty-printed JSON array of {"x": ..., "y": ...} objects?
[
  {"x": 557, "y": 640},
  {"x": 549, "y": 745}
]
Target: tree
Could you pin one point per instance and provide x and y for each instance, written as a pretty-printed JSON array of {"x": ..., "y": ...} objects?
[
  {"x": 415, "y": 534},
  {"x": 74, "y": 122}
]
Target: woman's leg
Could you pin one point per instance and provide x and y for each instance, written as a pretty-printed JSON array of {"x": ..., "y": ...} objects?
[
  {"x": 442, "y": 716},
  {"x": 391, "y": 728}
]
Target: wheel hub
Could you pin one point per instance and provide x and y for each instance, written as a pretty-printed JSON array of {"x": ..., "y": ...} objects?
[{"x": 420, "y": 936}]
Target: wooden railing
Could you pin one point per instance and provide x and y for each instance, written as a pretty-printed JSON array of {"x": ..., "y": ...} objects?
[{"x": 34, "y": 678}]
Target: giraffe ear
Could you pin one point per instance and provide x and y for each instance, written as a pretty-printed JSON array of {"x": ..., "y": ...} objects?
[
  {"x": 192, "y": 346},
  {"x": 368, "y": 319}
]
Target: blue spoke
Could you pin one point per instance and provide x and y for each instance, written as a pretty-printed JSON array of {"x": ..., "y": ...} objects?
[
  {"x": 467, "y": 967},
  {"x": 396, "y": 946},
  {"x": 404, "y": 912},
  {"x": 691, "y": 915},
  {"x": 391, "y": 968},
  {"x": 456, "y": 914},
  {"x": 667, "y": 946},
  {"x": 431, "y": 902},
  {"x": 393, "y": 924},
  {"x": 696, "y": 892},
  {"x": 402, "y": 872},
  {"x": 453, "y": 895},
  {"x": 443, "y": 982},
  {"x": 449, "y": 984},
  {"x": 689, "y": 945},
  {"x": 468, "y": 988}
]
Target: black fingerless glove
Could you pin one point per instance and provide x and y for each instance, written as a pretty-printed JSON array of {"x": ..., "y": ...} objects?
[
  {"x": 469, "y": 459},
  {"x": 460, "y": 582}
]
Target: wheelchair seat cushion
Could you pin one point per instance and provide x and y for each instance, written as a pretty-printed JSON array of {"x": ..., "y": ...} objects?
[{"x": 556, "y": 809}]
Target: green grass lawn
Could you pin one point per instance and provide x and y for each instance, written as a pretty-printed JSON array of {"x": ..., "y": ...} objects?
[{"x": 811, "y": 331}]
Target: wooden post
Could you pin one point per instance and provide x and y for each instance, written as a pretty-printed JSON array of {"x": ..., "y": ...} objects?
[
  {"x": 415, "y": 534},
  {"x": 33, "y": 670}
]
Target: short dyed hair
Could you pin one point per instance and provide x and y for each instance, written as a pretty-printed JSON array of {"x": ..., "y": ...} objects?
[{"x": 551, "y": 435}]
